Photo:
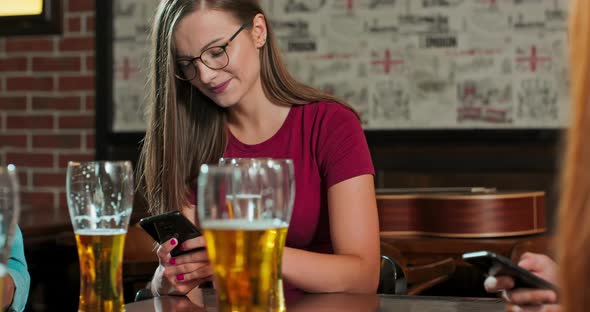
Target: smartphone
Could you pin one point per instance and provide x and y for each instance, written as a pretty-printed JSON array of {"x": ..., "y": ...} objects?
[
  {"x": 168, "y": 225},
  {"x": 494, "y": 264}
]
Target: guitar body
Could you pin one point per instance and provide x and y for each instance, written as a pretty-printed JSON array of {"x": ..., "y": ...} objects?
[{"x": 466, "y": 215}]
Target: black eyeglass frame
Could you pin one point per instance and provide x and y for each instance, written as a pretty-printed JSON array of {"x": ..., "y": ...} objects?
[{"x": 223, "y": 47}]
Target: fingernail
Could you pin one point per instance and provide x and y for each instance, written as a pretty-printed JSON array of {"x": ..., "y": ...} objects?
[
  {"x": 181, "y": 247},
  {"x": 180, "y": 277},
  {"x": 516, "y": 308},
  {"x": 504, "y": 295},
  {"x": 173, "y": 242},
  {"x": 490, "y": 282},
  {"x": 172, "y": 261}
]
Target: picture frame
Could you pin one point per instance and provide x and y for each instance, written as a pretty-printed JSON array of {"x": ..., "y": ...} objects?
[
  {"x": 112, "y": 143},
  {"x": 48, "y": 22}
]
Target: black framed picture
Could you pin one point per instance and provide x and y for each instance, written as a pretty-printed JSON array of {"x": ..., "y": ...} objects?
[
  {"x": 493, "y": 96},
  {"x": 30, "y": 17}
]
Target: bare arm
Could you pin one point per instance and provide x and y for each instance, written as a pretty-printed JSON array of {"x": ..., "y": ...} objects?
[
  {"x": 8, "y": 291},
  {"x": 354, "y": 228}
]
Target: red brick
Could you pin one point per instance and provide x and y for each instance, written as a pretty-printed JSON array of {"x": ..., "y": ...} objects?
[
  {"x": 90, "y": 62},
  {"x": 13, "y": 140},
  {"x": 23, "y": 177},
  {"x": 81, "y": 5},
  {"x": 59, "y": 64},
  {"x": 63, "y": 201},
  {"x": 38, "y": 200},
  {"x": 13, "y": 103},
  {"x": 30, "y": 44},
  {"x": 76, "y": 122},
  {"x": 49, "y": 179},
  {"x": 56, "y": 103},
  {"x": 57, "y": 141},
  {"x": 80, "y": 83},
  {"x": 74, "y": 24},
  {"x": 29, "y": 122},
  {"x": 65, "y": 158},
  {"x": 30, "y": 160},
  {"x": 29, "y": 83},
  {"x": 90, "y": 141},
  {"x": 90, "y": 23},
  {"x": 77, "y": 44},
  {"x": 13, "y": 64},
  {"x": 90, "y": 103}
]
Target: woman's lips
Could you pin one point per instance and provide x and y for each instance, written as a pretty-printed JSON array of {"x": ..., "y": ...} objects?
[{"x": 220, "y": 88}]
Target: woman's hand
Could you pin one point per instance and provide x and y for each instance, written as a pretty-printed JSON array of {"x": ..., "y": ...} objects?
[
  {"x": 527, "y": 299},
  {"x": 180, "y": 304},
  {"x": 179, "y": 275}
]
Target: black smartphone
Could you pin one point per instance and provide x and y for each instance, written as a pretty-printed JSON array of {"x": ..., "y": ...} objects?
[
  {"x": 497, "y": 265},
  {"x": 168, "y": 225}
]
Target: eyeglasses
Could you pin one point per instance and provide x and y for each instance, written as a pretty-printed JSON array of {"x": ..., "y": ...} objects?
[{"x": 213, "y": 57}]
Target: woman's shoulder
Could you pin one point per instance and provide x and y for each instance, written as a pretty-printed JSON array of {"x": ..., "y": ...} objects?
[{"x": 330, "y": 110}]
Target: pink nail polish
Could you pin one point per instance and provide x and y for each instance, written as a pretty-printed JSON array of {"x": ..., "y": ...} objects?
[
  {"x": 173, "y": 242},
  {"x": 180, "y": 277},
  {"x": 172, "y": 261}
]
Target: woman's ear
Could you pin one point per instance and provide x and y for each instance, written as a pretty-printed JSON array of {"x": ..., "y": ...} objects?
[{"x": 259, "y": 30}]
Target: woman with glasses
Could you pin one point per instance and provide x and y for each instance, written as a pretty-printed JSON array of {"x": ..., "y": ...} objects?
[{"x": 219, "y": 88}]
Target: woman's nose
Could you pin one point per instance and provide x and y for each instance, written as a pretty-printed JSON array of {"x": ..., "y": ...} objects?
[{"x": 205, "y": 74}]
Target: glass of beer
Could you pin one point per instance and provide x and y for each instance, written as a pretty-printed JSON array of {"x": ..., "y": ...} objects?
[
  {"x": 289, "y": 186},
  {"x": 244, "y": 213},
  {"x": 100, "y": 199},
  {"x": 9, "y": 214}
]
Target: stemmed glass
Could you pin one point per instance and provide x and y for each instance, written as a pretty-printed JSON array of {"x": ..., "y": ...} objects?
[
  {"x": 9, "y": 215},
  {"x": 100, "y": 198}
]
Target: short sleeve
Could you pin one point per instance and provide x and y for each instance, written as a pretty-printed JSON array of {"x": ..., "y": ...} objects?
[
  {"x": 17, "y": 268},
  {"x": 342, "y": 149}
]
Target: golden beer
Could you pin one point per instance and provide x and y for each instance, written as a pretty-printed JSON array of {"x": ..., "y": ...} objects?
[
  {"x": 246, "y": 257},
  {"x": 101, "y": 257}
]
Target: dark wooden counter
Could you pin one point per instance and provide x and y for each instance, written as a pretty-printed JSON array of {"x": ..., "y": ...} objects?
[{"x": 334, "y": 302}]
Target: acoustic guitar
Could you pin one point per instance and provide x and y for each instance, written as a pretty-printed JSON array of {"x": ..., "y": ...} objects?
[{"x": 460, "y": 212}]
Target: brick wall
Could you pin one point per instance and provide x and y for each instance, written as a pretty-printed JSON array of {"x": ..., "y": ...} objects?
[{"x": 47, "y": 104}]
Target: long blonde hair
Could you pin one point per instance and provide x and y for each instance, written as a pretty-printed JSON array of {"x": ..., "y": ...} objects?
[
  {"x": 574, "y": 214},
  {"x": 185, "y": 128}
]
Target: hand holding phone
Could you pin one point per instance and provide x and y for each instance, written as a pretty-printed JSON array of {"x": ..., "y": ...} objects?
[
  {"x": 170, "y": 225},
  {"x": 497, "y": 265}
]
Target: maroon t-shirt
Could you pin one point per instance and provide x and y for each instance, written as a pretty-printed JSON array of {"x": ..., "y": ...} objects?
[{"x": 327, "y": 145}]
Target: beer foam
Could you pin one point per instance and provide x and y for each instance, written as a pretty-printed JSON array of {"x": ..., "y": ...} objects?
[
  {"x": 3, "y": 270},
  {"x": 244, "y": 224},
  {"x": 104, "y": 232},
  {"x": 93, "y": 219}
]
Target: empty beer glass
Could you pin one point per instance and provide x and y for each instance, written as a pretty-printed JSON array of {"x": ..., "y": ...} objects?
[
  {"x": 244, "y": 213},
  {"x": 9, "y": 214},
  {"x": 100, "y": 199}
]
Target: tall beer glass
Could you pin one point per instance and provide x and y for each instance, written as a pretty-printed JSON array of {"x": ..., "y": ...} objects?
[
  {"x": 100, "y": 198},
  {"x": 244, "y": 214},
  {"x": 288, "y": 182},
  {"x": 9, "y": 214}
]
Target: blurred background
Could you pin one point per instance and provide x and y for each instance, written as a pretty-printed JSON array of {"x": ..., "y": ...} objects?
[{"x": 452, "y": 93}]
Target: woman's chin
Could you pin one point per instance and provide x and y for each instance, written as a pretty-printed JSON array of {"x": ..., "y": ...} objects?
[{"x": 224, "y": 103}]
